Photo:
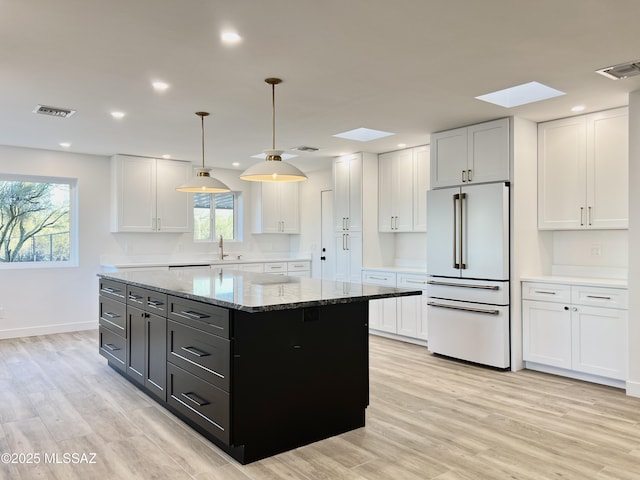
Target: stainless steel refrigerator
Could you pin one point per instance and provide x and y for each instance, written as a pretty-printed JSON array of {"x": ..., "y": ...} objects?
[{"x": 468, "y": 261}]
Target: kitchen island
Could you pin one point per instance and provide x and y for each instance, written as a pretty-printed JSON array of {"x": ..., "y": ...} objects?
[{"x": 259, "y": 364}]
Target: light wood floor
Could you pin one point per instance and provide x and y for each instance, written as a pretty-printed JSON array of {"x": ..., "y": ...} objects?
[{"x": 429, "y": 418}]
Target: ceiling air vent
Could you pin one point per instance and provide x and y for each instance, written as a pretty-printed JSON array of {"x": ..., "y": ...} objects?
[
  {"x": 624, "y": 70},
  {"x": 304, "y": 148},
  {"x": 53, "y": 111}
]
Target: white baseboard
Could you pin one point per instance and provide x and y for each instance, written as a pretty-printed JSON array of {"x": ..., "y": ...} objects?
[
  {"x": 47, "y": 329},
  {"x": 633, "y": 388}
]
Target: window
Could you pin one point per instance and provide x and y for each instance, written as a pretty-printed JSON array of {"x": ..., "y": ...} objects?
[
  {"x": 37, "y": 221},
  {"x": 214, "y": 214}
]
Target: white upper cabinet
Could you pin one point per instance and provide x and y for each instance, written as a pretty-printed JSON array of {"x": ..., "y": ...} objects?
[
  {"x": 276, "y": 207},
  {"x": 475, "y": 154},
  {"x": 347, "y": 192},
  {"x": 144, "y": 196},
  {"x": 583, "y": 165},
  {"x": 403, "y": 181}
]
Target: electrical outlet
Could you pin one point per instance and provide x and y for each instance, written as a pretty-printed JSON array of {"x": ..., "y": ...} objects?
[{"x": 596, "y": 250}]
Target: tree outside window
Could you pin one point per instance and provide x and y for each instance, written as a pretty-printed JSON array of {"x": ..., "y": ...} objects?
[
  {"x": 35, "y": 219},
  {"x": 214, "y": 215}
]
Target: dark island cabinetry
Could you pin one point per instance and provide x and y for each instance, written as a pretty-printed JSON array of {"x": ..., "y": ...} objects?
[{"x": 257, "y": 365}]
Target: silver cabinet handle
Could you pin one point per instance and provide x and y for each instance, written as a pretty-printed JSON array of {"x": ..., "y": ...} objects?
[
  {"x": 416, "y": 281},
  {"x": 195, "y": 351},
  {"x": 348, "y": 223},
  {"x": 469, "y": 175},
  {"x": 544, "y": 292},
  {"x": 599, "y": 297},
  {"x": 110, "y": 347},
  {"x": 463, "y": 285},
  {"x": 158, "y": 224},
  {"x": 194, "y": 398},
  {"x": 378, "y": 278},
  {"x": 589, "y": 216},
  {"x": 464, "y": 176},
  {"x": 464, "y": 309},
  {"x": 582, "y": 216}
]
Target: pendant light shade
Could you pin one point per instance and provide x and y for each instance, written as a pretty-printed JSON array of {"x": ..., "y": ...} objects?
[
  {"x": 203, "y": 182},
  {"x": 273, "y": 169}
]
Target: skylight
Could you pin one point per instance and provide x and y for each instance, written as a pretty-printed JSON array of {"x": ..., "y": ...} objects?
[
  {"x": 363, "y": 134},
  {"x": 521, "y": 95}
]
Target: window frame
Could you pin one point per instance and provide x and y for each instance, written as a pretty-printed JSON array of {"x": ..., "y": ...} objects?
[
  {"x": 73, "y": 221},
  {"x": 236, "y": 220}
]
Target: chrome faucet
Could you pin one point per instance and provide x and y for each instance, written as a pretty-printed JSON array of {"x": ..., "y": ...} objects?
[{"x": 221, "y": 247}]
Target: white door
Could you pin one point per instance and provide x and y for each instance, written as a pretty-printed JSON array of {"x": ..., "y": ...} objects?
[
  {"x": 327, "y": 244},
  {"x": 442, "y": 246},
  {"x": 174, "y": 209},
  {"x": 546, "y": 333},
  {"x": 448, "y": 157},
  {"x": 488, "y": 151}
]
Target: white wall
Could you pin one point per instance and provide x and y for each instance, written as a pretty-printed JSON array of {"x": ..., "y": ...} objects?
[
  {"x": 633, "y": 382},
  {"x": 596, "y": 249}
]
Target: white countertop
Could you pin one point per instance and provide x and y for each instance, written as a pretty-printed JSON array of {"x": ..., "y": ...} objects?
[
  {"x": 422, "y": 271},
  {"x": 168, "y": 261},
  {"x": 588, "y": 281}
]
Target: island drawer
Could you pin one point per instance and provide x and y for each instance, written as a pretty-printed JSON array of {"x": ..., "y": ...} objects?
[
  {"x": 202, "y": 403},
  {"x": 113, "y": 348},
  {"x": 113, "y": 315},
  {"x": 149, "y": 300},
  {"x": 200, "y": 315},
  {"x": 113, "y": 289},
  {"x": 202, "y": 354}
]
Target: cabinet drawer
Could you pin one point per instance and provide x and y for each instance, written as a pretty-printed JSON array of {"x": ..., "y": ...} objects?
[
  {"x": 371, "y": 277},
  {"x": 112, "y": 347},
  {"x": 113, "y": 315},
  {"x": 412, "y": 281},
  {"x": 298, "y": 266},
  {"x": 204, "y": 404},
  {"x": 600, "y": 296},
  {"x": 200, "y": 315},
  {"x": 200, "y": 353},
  {"x": 547, "y": 292},
  {"x": 113, "y": 289},
  {"x": 277, "y": 267},
  {"x": 149, "y": 300},
  {"x": 251, "y": 267},
  {"x": 468, "y": 290}
]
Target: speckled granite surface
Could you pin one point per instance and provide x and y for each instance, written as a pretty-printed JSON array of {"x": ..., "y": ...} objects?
[{"x": 254, "y": 292}]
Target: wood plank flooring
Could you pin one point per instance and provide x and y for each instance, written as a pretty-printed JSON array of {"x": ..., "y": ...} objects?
[{"x": 429, "y": 418}]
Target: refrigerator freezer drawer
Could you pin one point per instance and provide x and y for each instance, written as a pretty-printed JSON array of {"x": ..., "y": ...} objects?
[
  {"x": 474, "y": 332},
  {"x": 465, "y": 290}
]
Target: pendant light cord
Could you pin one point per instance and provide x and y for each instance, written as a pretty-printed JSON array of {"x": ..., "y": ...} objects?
[
  {"x": 273, "y": 116},
  {"x": 202, "y": 126}
]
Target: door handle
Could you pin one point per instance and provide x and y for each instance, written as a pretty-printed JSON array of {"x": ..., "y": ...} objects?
[
  {"x": 456, "y": 265},
  {"x": 463, "y": 197},
  {"x": 469, "y": 175}
]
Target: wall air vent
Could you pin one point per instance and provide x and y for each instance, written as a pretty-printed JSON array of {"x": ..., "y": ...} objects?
[
  {"x": 304, "y": 148},
  {"x": 53, "y": 111},
  {"x": 624, "y": 70}
]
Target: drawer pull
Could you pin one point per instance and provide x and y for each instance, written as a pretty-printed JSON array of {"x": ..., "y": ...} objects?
[
  {"x": 112, "y": 323},
  {"x": 110, "y": 290},
  {"x": 112, "y": 315},
  {"x": 599, "y": 297},
  {"x": 192, "y": 397},
  {"x": 464, "y": 309},
  {"x": 463, "y": 285},
  {"x": 195, "y": 351},
  {"x": 110, "y": 347},
  {"x": 543, "y": 292},
  {"x": 378, "y": 278},
  {"x": 192, "y": 314},
  {"x": 155, "y": 303},
  {"x": 134, "y": 297},
  {"x": 416, "y": 281}
]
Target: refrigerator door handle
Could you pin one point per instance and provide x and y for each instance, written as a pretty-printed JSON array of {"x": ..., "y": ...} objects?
[
  {"x": 456, "y": 265},
  {"x": 464, "y": 309},
  {"x": 464, "y": 285},
  {"x": 463, "y": 197}
]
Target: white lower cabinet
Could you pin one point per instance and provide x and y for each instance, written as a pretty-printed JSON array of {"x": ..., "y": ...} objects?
[
  {"x": 575, "y": 329},
  {"x": 401, "y": 316}
]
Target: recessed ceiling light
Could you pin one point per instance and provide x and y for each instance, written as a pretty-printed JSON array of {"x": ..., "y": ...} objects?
[
  {"x": 160, "y": 86},
  {"x": 363, "y": 134},
  {"x": 117, "y": 115},
  {"x": 166, "y": 156},
  {"x": 236, "y": 164},
  {"x": 284, "y": 156},
  {"x": 521, "y": 95},
  {"x": 230, "y": 37},
  {"x": 402, "y": 145},
  {"x": 64, "y": 144},
  {"x": 577, "y": 108}
]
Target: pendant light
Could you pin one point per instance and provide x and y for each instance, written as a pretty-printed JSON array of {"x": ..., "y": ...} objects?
[
  {"x": 273, "y": 169},
  {"x": 202, "y": 182}
]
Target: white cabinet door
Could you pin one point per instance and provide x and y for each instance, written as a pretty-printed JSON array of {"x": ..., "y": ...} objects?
[
  {"x": 275, "y": 207},
  {"x": 375, "y": 314},
  {"x": 420, "y": 186},
  {"x": 608, "y": 169},
  {"x": 488, "y": 152},
  {"x": 347, "y": 191},
  {"x": 562, "y": 173},
  {"x": 174, "y": 209},
  {"x": 389, "y": 315},
  {"x": 289, "y": 199},
  {"x": 144, "y": 197},
  {"x": 546, "y": 333},
  {"x": 448, "y": 157},
  {"x": 385, "y": 192},
  {"x": 408, "y": 311},
  {"x": 600, "y": 341},
  {"x": 349, "y": 257}
]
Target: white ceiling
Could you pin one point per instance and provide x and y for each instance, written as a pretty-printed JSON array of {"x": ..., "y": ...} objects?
[{"x": 407, "y": 66}]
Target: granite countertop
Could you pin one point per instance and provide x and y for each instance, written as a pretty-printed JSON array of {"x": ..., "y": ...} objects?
[
  {"x": 254, "y": 292},
  {"x": 586, "y": 281}
]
